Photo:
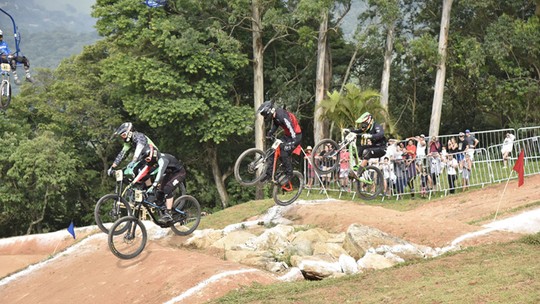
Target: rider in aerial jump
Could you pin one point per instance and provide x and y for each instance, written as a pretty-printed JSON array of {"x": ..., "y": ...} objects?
[
  {"x": 373, "y": 134},
  {"x": 291, "y": 140},
  {"x": 6, "y": 56}
]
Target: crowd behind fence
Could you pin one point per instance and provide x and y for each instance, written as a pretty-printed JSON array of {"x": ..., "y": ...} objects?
[{"x": 441, "y": 174}]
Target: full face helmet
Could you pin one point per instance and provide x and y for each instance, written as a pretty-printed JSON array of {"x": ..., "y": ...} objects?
[
  {"x": 365, "y": 122},
  {"x": 267, "y": 110},
  {"x": 150, "y": 155},
  {"x": 125, "y": 131}
]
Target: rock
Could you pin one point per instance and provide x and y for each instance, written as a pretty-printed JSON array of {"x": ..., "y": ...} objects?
[
  {"x": 294, "y": 274},
  {"x": 233, "y": 239},
  {"x": 359, "y": 239},
  {"x": 375, "y": 261},
  {"x": 348, "y": 264},
  {"x": 271, "y": 239},
  {"x": 202, "y": 239},
  {"x": 316, "y": 267},
  {"x": 332, "y": 249}
]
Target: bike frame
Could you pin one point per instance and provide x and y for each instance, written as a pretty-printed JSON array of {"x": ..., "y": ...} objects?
[{"x": 141, "y": 199}]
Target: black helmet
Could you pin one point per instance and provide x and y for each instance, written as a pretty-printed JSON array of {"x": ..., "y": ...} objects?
[
  {"x": 267, "y": 110},
  {"x": 125, "y": 131},
  {"x": 150, "y": 154}
]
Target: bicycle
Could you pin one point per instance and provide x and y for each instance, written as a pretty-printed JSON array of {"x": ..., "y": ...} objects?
[
  {"x": 127, "y": 236},
  {"x": 5, "y": 85},
  {"x": 370, "y": 179},
  {"x": 113, "y": 206},
  {"x": 252, "y": 164}
]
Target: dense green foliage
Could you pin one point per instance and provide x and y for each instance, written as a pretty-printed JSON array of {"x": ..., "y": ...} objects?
[{"x": 182, "y": 74}]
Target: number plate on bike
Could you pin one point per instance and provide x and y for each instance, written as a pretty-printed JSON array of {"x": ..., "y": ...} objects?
[
  {"x": 139, "y": 196},
  {"x": 6, "y": 67},
  {"x": 276, "y": 144},
  {"x": 119, "y": 175}
]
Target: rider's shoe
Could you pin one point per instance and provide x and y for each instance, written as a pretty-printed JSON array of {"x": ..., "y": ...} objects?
[
  {"x": 265, "y": 177},
  {"x": 29, "y": 77},
  {"x": 284, "y": 180},
  {"x": 166, "y": 217},
  {"x": 16, "y": 79},
  {"x": 365, "y": 178}
]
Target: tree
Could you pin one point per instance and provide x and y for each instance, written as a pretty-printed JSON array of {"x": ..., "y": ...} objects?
[
  {"x": 441, "y": 70},
  {"x": 40, "y": 180},
  {"x": 175, "y": 70},
  {"x": 344, "y": 108}
]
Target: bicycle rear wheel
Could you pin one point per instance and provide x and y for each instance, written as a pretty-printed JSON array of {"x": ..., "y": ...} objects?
[
  {"x": 370, "y": 182},
  {"x": 5, "y": 94},
  {"x": 129, "y": 243},
  {"x": 325, "y": 156},
  {"x": 249, "y": 167},
  {"x": 186, "y": 215},
  {"x": 288, "y": 193},
  {"x": 110, "y": 208}
]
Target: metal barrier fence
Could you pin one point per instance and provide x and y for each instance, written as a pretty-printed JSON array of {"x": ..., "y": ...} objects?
[{"x": 439, "y": 174}]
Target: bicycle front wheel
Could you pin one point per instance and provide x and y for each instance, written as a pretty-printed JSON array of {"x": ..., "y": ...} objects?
[
  {"x": 129, "y": 243},
  {"x": 325, "y": 156},
  {"x": 186, "y": 215},
  {"x": 286, "y": 194},
  {"x": 5, "y": 96},
  {"x": 249, "y": 167},
  {"x": 109, "y": 208},
  {"x": 370, "y": 182}
]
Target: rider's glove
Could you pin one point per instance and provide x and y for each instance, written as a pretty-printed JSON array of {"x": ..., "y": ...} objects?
[
  {"x": 131, "y": 165},
  {"x": 269, "y": 135},
  {"x": 346, "y": 131},
  {"x": 366, "y": 135},
  {"x": 150, "y": 190},
  {"x": 110, "y": 171}
]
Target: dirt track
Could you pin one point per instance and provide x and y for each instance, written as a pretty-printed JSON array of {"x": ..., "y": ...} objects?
[{"x": 89, "y": 273}]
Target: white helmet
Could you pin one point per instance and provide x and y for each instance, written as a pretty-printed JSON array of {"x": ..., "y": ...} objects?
[{"x": 1, "y": 33}]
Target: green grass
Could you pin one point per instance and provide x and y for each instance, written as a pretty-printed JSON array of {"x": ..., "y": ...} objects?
[
  {"x": 235, "y": 214},
  {"x": 499, "y": 273}
]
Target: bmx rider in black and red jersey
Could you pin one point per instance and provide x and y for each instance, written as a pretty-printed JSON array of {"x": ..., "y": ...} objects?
[{"x": 291, "y": 138}]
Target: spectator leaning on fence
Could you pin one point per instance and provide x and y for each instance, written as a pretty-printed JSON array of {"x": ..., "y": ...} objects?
[
  {"x": 507, "y": 146},
  {"x": 471, "y": 142}
]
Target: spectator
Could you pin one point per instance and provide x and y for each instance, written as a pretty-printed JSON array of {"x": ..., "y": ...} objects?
[
  {"x": 452, "y": 146},
  {"x": 434, "y": 146},
  {"x": 452, "y": 165},
  {"x": 344, "y": 165},
  {"x": 310, "y": 172},
  {"x": 508, "y": 145},
  {"x": 420, "y": 147},
  {"x": 411, "y": 149},
  {"x": 389, "y": 176},
  {"x": 435, "y": 169},
  {"x": 466, "y": 167},
  {"x": 392, "y": 149},
  {"x": 461, "y": 147},
  {"x": 425, "y": 181},
  {"x": 400, "y": 171},
  {"x": 410, "y": 166},
  {"x": 444, "y": 157},
  {"x": 471, "y": 142}
]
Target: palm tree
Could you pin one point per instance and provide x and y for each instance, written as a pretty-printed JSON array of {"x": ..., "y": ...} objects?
[{"x": 344, "y": 109}]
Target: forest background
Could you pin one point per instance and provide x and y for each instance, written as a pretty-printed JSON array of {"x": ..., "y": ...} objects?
[{"x": 190, "y": 74}]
